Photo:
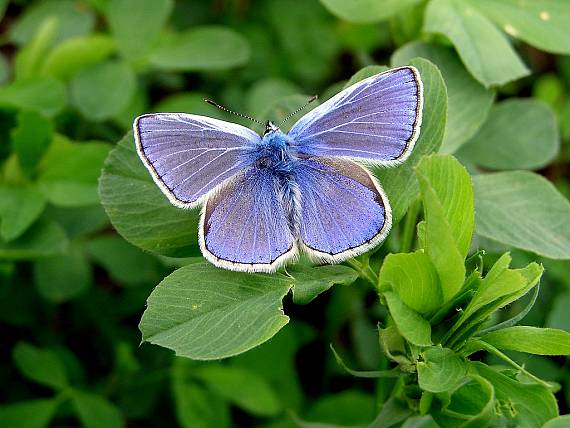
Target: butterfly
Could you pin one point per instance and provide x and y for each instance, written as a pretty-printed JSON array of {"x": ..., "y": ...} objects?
[{"x": 265, "y": 199}]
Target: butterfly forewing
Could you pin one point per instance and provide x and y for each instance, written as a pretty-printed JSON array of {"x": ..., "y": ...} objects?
[
  {"x": 244, "y": 226},
  {"x": 344, "y": 211},
  {"x": 377, "y": 119},
  {"x": 189, "y": 155}
]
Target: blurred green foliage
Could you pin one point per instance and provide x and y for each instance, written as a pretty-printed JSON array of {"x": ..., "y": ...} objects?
[{"x": 439, "y": 347}]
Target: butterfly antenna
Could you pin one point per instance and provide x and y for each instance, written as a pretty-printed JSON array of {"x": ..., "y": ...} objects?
[
  {"x": 215, "y": 104},
  {"x": 313, "y": 98}
]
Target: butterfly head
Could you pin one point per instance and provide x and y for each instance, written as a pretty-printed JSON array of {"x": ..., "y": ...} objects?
[{"x": 270, "y": 127}]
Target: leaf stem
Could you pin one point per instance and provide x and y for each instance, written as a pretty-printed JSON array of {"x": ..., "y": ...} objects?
[
  {"x": 364, "y": 271},
  {"x": 491, "y": 349}
]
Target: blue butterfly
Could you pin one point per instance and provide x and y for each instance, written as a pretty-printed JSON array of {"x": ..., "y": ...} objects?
[{"x": 267, "y": 198}]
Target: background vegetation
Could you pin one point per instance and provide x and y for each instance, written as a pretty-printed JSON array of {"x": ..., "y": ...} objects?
[{"x": 432, "y": 350}]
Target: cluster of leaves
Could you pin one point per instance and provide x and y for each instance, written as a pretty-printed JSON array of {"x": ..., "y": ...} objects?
[{"x": 447, "y": 351}]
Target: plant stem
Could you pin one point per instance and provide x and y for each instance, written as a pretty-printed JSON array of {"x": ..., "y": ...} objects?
[
  {"x": 409, "y": 229},
  {"x": 491, "y": 349},
  {"x": 364, "y": 271}
]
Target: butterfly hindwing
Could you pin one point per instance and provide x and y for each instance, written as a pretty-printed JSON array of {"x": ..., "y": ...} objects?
[
  {"x": 377, "y": 120},
  {"x": 189, "y": 155},
  {"x": 244, "y": 226},
  {"x": 344, "y": 211}
]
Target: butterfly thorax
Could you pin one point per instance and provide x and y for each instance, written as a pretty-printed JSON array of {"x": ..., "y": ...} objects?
[{"x": 273, "y": 152}]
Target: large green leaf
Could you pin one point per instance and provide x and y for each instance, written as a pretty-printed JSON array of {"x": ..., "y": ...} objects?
[
  {"x": 522, "y": 405},
  {"x": 309, "y": 282},
  {"x": 400, "y": 182},
  {"x": 138, "y": 209},
  {"x": 367, "y": 10},
  {"x": 410, "y": 324},
  {"x": 534, "y": 340},
  {"x": 19, "y": 208},
  {"x": 448, "y": 205},
  {"x": 29, "y": 414},
  {"x": 542, "y": 23},
  {"x": 519, "y": 134},
  {"x": 40, "y": 365},
  {"x": 103, "y": 90},
  {"x": 201, "y": 49},
  {"x": 67, "y": 58},
  {"x": 414, "y": 279},
  {"x": 468, "y": 102},
  {"x": 241, "y": 387},
  {"x": 523, "y": 210},
  {"x": 136, "y": 24},
  {"x": 440, "y": 370},
  {"x": 205, "y": 313},
  {"x": 43, "y": 94},
  {"x": 477, "y": 40}
]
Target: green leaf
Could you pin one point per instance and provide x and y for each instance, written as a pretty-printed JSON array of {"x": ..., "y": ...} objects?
[
  {"x": 63, "y": 277},
  {"x": 193, "y": 50},
  {"x": 523, "y": 210},
  {"x": 136, "y": 24},
  {"x": 534, "y": 340},
  {"x": 308, "y": 52},
  {"x": 72, "y": 20},
  {"x": 347, "y": 408},
  {"x": 542, "y": 23},
  {"x": 476, "y": 40},
  {"x": 95, "y": 411},
  {"x": 559, "y": 316},
  {"x": 197, "y": 407},
  {"x": 241, "y": 387},
  {"x": 267, "y": 91},
  {"x": 222, "y": 313},
  {"x": 448, "y": 205},
  {"x": 43, "y": 239},
  {"x": 499, "y": 288},
  {"x": 558, "y": 422},
  {"x": 522, "y": 405},
  {"x": 440, "y": 370},
  {"x": 409, "y": 323},
  {"x": 42, "y": 94},
  {"x": 40, "y": 365},
  {"x": 138, "y": 209},
  {"x": 19, "y": 208},
  {"x": 124, "y": 262},
  {"x": 519, "y": 134},
  {"x": 471, "y": 405},
  {"x": 68, "y": 172},
  {"x": 400, "y": 183},
  {"x": 28, "y": 414},
  {"x": 29, "y": 59},
  {"x": 468, "y": 102},
  {"x": 309, "y": 282},
  {"x": 367, "y": 10},
  {"x": 72, "y": 55},
  {"x": 103, "y": 90},
  {"x": 31, "y": 139},
  {"x": 414, "y": 279}
]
